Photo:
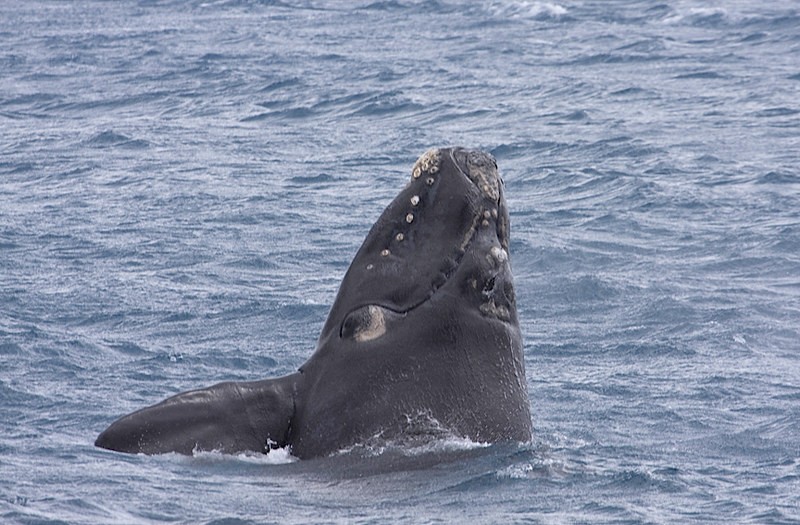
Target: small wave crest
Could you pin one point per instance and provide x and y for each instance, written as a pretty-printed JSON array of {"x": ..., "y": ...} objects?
[
  {"x": 700, "y": 17},
  {"x": 526, "y": 9}
]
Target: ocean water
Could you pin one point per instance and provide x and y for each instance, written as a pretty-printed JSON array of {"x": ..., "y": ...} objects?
[{"x": 183, "y": 184}]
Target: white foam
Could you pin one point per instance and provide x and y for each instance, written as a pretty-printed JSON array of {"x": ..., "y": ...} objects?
[
  {"x": 450, "y": 444},
  {"x": 422, "y": 435},
  {"x": 695, "y": 13},
  {"x": 278, "y": 456},
  {"x": 526, "y": 9}
]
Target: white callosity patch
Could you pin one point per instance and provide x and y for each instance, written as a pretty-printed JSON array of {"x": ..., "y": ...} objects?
[
  {"x": 499, "y": 255},
  {"x": 364, "y": 324},
  {"x": 483, "y": 172},
  {"x": 376, "y": 326},
  {"x": 428, "y": 162}
]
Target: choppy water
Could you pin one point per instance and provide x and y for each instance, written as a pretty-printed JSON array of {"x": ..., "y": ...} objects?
[{"x": 183, "y": 184}]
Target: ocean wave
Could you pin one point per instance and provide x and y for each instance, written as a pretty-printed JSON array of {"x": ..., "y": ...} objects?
[{"x": 527, "y": 9}]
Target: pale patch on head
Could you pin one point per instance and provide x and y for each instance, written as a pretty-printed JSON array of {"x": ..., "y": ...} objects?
[
  {"x": 486, "y": 216},
  {"x": 376, "y": 326},
  {"x": 365, "y": 323},
  {"x": 498, "y": 254},
  {"x": 428, "y": 162},
  {"x": 482, "y": 170}
]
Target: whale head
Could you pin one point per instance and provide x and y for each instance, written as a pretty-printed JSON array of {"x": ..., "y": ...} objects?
[
  {"x": 425, "y": 320},
  {"x": 446, "y": 233}
]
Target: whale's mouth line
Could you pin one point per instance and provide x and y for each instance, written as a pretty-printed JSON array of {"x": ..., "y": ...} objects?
[
  {"x": 488, "y": 188},
  {"x": 444, "y": 275}
]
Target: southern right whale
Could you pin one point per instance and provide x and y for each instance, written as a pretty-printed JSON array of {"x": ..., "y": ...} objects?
[{"x": 423, "y": 331}]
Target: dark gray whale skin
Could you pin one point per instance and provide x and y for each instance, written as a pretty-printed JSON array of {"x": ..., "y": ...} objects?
[{"x": 423, "y": 336}]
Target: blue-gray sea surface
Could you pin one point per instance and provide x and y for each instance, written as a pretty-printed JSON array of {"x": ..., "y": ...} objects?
[{"x": 184, "y": 183}]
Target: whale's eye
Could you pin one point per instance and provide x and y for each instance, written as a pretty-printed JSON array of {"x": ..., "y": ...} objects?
[{"x": 364, "y": 324}]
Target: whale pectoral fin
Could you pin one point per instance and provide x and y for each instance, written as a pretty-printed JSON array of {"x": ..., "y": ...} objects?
[{"x": 228, "y": 417}]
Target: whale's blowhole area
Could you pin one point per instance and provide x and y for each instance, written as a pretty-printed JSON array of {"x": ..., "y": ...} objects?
[{"x": 483, "y": 222}]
